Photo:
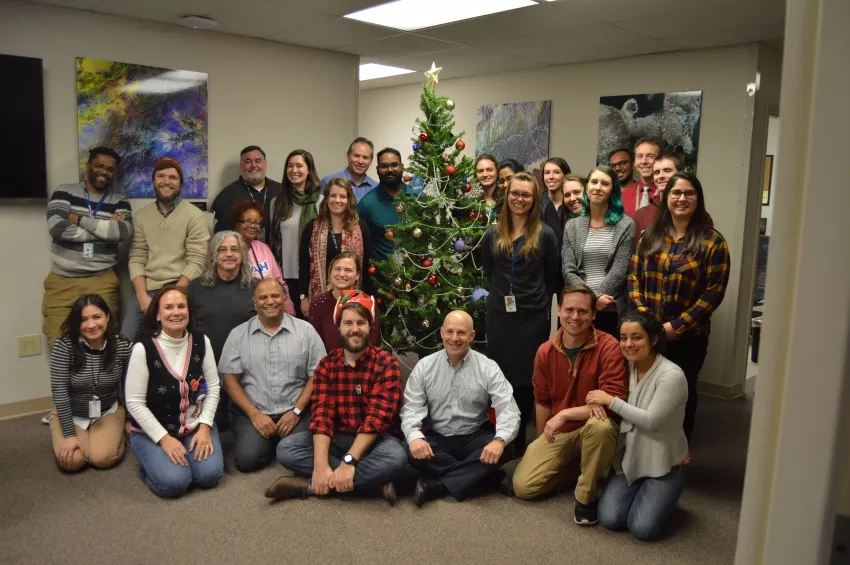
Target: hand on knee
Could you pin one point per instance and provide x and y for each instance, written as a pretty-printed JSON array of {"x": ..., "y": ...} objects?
[{"x": 78, "y": 461}]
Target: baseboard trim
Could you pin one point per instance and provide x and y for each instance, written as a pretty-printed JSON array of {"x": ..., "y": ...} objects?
[
  {"x": 726, "y": 392},
  {"x": 25, "y": 407}
]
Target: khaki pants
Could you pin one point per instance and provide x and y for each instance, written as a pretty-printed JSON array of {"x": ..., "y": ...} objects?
[
  {"x": 542, "y": 468},
  {"x": 60, "y": 293},
  {"x": 102, "y": 444}
]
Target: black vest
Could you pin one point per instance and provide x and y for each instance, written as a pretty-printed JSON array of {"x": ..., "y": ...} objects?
[{"x": 170, "y": 398}]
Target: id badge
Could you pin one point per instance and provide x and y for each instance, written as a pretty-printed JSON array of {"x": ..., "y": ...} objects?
[
  {"x": 510, "y": 303},
  {"x": 94, "y": 408},
  {"x": 88, "y": 250}
]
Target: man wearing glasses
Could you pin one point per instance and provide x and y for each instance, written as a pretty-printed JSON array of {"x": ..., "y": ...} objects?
[
  {"x": 621, "y": 161},
  {"x": 251, "y": 185},
  {"x": 377, "y": 208}
]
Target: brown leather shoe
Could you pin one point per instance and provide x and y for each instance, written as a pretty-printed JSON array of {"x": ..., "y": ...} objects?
[
  {"x": 288, "y": 487},
  {"x": 388, "y": 493}
]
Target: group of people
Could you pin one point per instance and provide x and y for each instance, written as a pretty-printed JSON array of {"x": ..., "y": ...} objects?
[{"x": 268, "y": 327}]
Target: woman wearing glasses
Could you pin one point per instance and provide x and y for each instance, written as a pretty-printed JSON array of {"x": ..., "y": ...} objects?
[
  {"x": 520, "y": 258},
  {"x": 511, "y": 167},
  {"x": 598, "y": 245},
  {"x": 337, "y": 228},
  {"x": 246, "y": 219},
  {"x": 679, "y": 275}
]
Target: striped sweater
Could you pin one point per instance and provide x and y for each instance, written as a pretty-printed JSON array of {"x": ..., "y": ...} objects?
[
  {"x": 73, "y": 390},
  {"x": 68, "y": 239}
]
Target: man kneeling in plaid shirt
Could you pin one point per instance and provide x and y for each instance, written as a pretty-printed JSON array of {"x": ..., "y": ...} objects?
[{"x": 356, "y": 398}]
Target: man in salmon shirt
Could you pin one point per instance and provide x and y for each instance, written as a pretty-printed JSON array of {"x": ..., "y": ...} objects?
[{"x": 577, "y": 360}]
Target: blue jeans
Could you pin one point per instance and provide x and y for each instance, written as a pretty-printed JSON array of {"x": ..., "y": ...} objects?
[
  {"x": 170, "y": 480},
  {"x": 643, "y": 506},
  {"x": 385, "y": 461}
]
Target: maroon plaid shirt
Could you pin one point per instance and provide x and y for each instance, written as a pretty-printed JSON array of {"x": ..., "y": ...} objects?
[{"x": 363, "y": 399}]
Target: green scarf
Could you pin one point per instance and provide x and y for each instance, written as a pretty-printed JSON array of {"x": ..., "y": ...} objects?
[{"x": 307, "y": 201}]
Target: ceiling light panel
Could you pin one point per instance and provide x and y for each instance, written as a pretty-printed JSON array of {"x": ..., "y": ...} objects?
[
  {"x": 410, "y": 15},
  {"x": 370, "y": 71}
]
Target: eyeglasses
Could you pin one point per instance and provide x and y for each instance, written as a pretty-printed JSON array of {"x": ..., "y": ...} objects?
[
  {"x": 525, "y": 196},
  {"x": 688, "y": 194},
  {"x": 101, "y": 167},
  {"x": 620, "y": 164},
  {"x": 388, "y": 166},
  {"x": 250, "y": 223},
  {"x": 504, "y": 182}
]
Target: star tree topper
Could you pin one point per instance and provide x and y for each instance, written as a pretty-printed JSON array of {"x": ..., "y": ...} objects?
[{"x": 431, "y": 75}]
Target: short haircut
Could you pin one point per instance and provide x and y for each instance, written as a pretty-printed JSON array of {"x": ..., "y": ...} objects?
[
  {"x": 360, "y": 140},
  {"x": 359, "y": 308},
  {"x": 277, "y": 282},
  {"x": 579, "y": 289},
  {"x": 386, "y": 150},
  {"x": 677, "y": 159},
  {"x": 239, "y": 209},
  {"x": 621, "y": 150},
  {"x": 656, "y": 141},
  {"x": 511, "y": 164},
  {"x": 109, "y": 152},
  {"x": 252, "y": 148}
]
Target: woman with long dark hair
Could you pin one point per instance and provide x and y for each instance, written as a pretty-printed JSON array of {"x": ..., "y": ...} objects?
[
  {"x": 87, "y": 365},
  {"x": 336, "y": 229},
  {"x": 485, "y": 172},
  {"x": 520, "y": 259},
  {"x": 297, "y": 204},
  {"x": 651, "y": 445},
  {"x": 555, "y": 169},
  {"x": 598, "y": 245},
  {"x": 679, "y": 275},
  {"x": 172, "y": 395}
]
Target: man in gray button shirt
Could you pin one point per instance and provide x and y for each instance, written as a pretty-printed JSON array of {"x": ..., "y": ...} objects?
[
  {"x": 267, "y": 367},
  {"x": 450, "y": 438}
]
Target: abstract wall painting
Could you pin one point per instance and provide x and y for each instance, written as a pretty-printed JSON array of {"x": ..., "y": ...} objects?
[
  {"x": 517, "y": 130},
  {"x": 673, "y": 116},
  {"x": 144, "y": 113}
]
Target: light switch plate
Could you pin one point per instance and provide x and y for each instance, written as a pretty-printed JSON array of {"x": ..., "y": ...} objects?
[{"x": 29, "y": 345}]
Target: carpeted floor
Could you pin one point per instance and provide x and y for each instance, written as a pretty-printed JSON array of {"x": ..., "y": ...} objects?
[{"x": 111, "y": 517}]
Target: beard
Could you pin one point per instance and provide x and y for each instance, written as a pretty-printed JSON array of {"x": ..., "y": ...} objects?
[
  {"x": 100, "y": 185},
  {"x": 390, "y": 181},
  {"x": 167, "y": 199},
  {"x": 349, "y": 346}
]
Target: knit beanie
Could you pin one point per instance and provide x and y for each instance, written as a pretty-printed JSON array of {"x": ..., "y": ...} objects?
[{"x": 168, "y": 163}]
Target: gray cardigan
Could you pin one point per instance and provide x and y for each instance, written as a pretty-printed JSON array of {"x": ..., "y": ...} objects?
[
  {"x": 651, "y": 440},
  {"x": 617, "y": 268}
]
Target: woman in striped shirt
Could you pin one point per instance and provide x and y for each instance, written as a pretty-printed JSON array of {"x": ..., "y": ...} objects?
[
  {"x": 87, "y": 365},
  {"x": 598, "y": 245}
]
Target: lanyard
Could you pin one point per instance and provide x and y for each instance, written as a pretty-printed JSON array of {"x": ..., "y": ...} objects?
[
  {"x": 332, "y": 237},
  {"x": 513, "y": 263},
  {"x": 94, "y": 212},
  {"x": 251, "y": 193},
  {"x": 257, "y": 261}
]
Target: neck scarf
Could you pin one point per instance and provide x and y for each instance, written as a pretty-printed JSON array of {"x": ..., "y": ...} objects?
[
  {"x": 307, "y": 201},
  {"x": 351, "y": 241}
]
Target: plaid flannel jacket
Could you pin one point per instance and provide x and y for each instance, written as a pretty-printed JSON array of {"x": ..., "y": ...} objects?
[
  {"x": 364, "y": 399},
  {"x": 681, "y": 289}
]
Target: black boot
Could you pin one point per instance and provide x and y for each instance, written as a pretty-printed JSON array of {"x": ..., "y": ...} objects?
[{"x": 427, "y": 489}]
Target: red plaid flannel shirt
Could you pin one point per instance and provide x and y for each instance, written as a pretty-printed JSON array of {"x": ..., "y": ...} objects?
[{"x": 364, "y": 399}]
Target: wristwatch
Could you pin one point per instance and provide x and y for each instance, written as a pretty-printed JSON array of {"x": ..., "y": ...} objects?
[
  {"x": 296, "y": 411},
  {"x": 303, "y": 296},
  {"x": 349, "y": 460}
]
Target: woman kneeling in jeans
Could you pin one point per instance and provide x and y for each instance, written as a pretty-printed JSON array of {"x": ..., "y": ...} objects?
[
  {"x": 172, "y": 393},
  {"x": 651, "y": 444}
]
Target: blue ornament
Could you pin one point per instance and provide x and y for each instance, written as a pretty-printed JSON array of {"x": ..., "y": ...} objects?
[
  {"x": 460, "y": 245},
  {"x": 416, "y": 147},
  {"x": 478, "y": 294}
]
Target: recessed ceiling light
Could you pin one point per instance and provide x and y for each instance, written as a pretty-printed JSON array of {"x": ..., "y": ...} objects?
[
  {"x": 198, "y": 22},
  {"x": 410, "y": 15},
  {"x": 369, "y": 71}
]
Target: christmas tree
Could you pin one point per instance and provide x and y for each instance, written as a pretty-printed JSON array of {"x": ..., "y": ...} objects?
[{"x": 436, "y": 267}]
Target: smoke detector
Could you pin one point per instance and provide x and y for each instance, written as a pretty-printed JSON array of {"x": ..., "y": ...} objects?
[{"x": 197, "y": 22}]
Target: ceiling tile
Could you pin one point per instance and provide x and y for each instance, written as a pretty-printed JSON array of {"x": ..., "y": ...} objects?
[
  {"x": 331, "y": 7},
  {"x": 621, "y": 10},
  {"x": 257, "y": 18},
  {"x": 78, "y": 4},
  {"x": 168, "y": 11},
  {"x": 704, "y": 21},
  {"x": 730, "y": 37},
  {"x": 591, "y": 36},
  {"x": 402, "y": 45},
  {"x": 331, "y": 33}
]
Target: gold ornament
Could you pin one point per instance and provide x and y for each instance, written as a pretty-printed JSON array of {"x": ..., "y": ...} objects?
[
  {"x": 421, "y": 303},
  {"x": 431, "y": 75},
  {"x": 426, "y": 324},
  {"x": 397, "y": 282},
  {"x": 450, "y": 104},
  {"x": 407, "y": 287},
  {"x": 460, "y": 290},
  {"x": 417, "y": 233},
  {"x": 400, "y": 208}
]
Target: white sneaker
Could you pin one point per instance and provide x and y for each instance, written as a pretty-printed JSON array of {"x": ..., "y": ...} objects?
[{"x": 46, "y": 419}]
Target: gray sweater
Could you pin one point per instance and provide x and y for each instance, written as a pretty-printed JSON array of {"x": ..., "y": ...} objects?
[
  {"x": 651, "y": 440},
  {"x": 617, "y": 268}
]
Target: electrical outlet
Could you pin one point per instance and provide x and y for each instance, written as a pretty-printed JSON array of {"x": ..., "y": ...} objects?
[{"x": 29, "y": 345}]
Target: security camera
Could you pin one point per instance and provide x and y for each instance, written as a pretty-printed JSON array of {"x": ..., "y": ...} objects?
[{"x": 751, "y": 89}]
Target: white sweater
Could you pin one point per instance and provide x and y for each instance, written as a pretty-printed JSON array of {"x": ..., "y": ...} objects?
[
  {"x": 651, "y": 440},
  {"x": 136, "y": 388}
]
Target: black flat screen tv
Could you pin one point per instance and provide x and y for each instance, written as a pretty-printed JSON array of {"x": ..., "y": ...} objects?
[{"x": 22, "y": 129}]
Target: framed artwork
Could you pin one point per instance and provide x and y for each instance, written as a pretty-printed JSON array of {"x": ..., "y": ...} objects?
[
  {"x": 768, "y": 177},
  {"x": 144, "y": 113},
  {"x": 518, "y": 130}
]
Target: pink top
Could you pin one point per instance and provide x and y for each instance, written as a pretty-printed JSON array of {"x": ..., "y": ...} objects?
[{"x": 264, "y": 266}]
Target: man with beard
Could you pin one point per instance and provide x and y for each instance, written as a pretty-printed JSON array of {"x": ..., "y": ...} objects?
[
  {"x": 377, "y": 208},
  {"x": 251, "y": 185},
  {"x": 359, "y": 157},
  {"x": 355, "y": 401},
  {"x": 621, "y": 161},
  {"x": 87, "y": 222},
  {"x": 267, "y": 367},
  {"x": 169, "y": 243},
  {"x": 445, "y": 420},
  {"x": 641, "y": 193}
]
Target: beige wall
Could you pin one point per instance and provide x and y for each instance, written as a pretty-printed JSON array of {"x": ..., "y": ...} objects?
[
  {"x": 277, "y": 96},
  {"x": 772, "y": 148},
  {"x": 388, "y": 115}
]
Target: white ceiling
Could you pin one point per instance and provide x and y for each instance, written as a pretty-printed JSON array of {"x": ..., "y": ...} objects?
[{"x": 565, "y": 31}]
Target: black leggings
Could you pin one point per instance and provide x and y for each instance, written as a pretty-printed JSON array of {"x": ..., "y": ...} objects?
[
  {"x": 688, "y": 352},
  {"x": 524, "y": 397}
]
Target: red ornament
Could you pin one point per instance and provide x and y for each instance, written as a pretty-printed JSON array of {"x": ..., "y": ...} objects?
[
  {"x": 432, "y": 279},
  {"x": 389, "y": 234},
  {"x": 379, "y": 300},
  {"x": 423, "y": 136},
  {"x": 473, "y": 215},
  {"x": 372, "y": 270},
  {"x": 427, "y": 263},
  {"x": 467, "y": 188},
  {"x": 460, "y": 145},
  {"x": 445, "y": 158},
  {"x": 450, "y": 170},
  {"x": 391, "y": 296},
  {"x": 407, "y": 178}
]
